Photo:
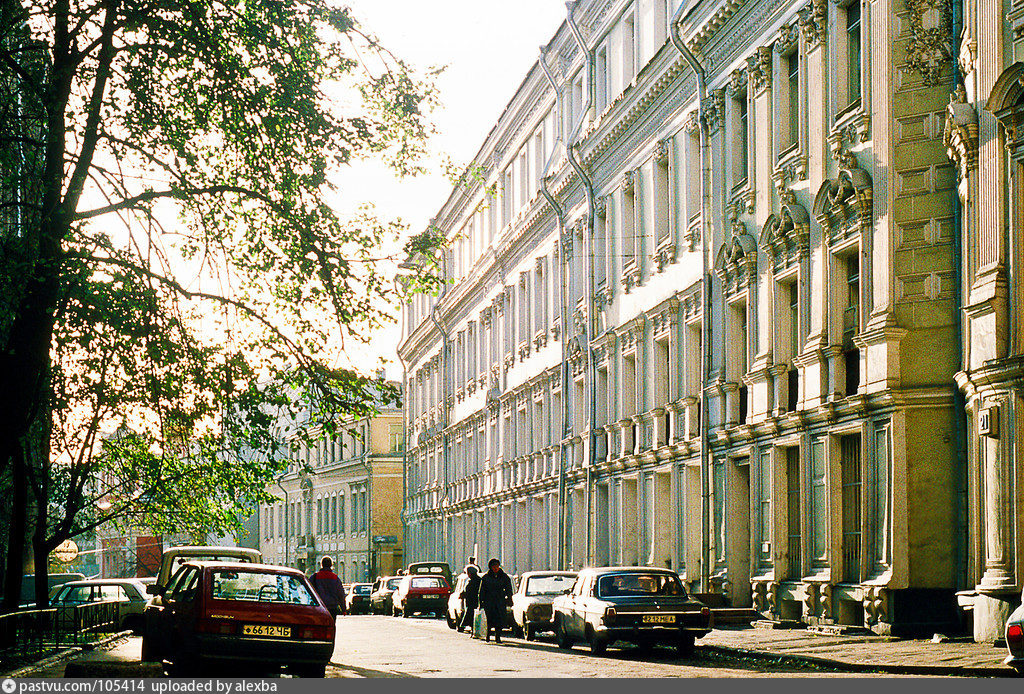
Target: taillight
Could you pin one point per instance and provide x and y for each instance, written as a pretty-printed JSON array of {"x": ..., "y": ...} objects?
[
  {"x": 1014, "y": 635},
  {"x": 206, "y": 625},
  {"x": 705, "y": 612},
  {"x": 318, "y": 633},
  {"x": 609, "y": 615}
]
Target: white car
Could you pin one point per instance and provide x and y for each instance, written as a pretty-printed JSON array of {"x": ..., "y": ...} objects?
[
  {"x": 531, "y": 604},
  {"x": 1015, "y": 638}
]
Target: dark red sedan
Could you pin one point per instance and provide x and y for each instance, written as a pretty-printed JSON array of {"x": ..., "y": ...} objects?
[{"x": 227, "y": 612}]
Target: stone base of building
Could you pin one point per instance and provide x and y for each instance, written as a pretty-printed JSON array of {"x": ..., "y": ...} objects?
[{"x": 989, "y": 612}]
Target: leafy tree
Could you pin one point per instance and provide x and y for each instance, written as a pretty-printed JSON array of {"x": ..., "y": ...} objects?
[{"x": 169, "y": 266}]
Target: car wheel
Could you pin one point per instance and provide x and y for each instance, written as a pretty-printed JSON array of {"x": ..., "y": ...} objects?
[
  {"x": 528, "y": 633},
  {"x": 310, "y": 671},
  {"x": 564, "y": 640},
  {"x": 597, "y": 645},
  {"x": 684, "y": 648},
  {"x": 150, "y": 652}
]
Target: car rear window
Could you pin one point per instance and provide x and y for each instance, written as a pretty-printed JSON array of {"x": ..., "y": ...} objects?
[
  {"x": 393, "y": 583},
  {"x": 253, "y": 586},
  {"x": 361, "y": 590},
  {"x": 627, "y": 584},
  {"x": 548, "y": 585},
  {"x": 427, "y": 582}
]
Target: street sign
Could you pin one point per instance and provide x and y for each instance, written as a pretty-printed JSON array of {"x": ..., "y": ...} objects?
[
  {"x": 385, "y": 539},
  {"x": 66, "y": 552}
]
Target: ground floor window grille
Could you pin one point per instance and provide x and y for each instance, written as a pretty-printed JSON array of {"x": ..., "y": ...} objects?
[{"x": 851, "y": 477}]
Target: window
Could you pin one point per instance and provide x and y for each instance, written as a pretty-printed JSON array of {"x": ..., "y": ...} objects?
[
  {"x": 601, "y": 73},
  {"x": 319, "y": 516},
  {"x": 661, "y": 198},
  {"x": 851, "y": 323},
  {"x": 819, "y": 503},
  {"x": 396, "y": 437},
  {"x": 851, "y": 479},
  {"x": 334, "y": 513},
  {"x": 739, "y": 139},
  {"x": 853, "y": 52},
  {"x": 627, "y": 221},
  {"x": 793, "y": 374},
  {"x": 793, "y": 89},
  {"x": 764, "y": 517},
  {"x": 341, "y": 513},
  {"x": 793, "y": 519}
]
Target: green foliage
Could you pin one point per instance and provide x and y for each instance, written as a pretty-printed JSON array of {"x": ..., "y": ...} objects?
[{"x": 192, "y": 338}]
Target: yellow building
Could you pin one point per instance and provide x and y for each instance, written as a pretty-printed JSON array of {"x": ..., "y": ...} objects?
[{"x": 342, "y": 498}]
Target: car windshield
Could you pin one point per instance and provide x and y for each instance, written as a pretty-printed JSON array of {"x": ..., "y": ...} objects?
[
  {"x": 629, "y": 584},
  {"x": 361, "y": 590},
  {"x": 426, "y": 582},
  {"x": 393, "y": 583},
  {"x": 548, "y": 585},
  {"x": 252, "y": 586}
]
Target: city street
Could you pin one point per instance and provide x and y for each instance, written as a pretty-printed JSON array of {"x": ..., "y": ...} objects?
[{"x": 376, "y": 646}]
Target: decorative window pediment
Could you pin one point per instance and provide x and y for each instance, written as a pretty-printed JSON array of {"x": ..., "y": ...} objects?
[
  {"x": 1006, "y": 102},
  {"x": 736, "y": 261},
  {"x": 843, "y": 205},
  {"x": 785, "y": 236}
]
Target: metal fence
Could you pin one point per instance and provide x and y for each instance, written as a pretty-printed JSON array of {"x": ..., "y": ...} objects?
[{"x": 27, "y": 635}]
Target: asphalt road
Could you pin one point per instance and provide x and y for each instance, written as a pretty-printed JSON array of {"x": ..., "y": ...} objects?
[{"x": 376, "y": 646}]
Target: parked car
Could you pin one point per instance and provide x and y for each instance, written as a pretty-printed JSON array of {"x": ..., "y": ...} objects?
[
  {"x": 531, "y": 603},
  {"x": 641, "y": 605},
  {"x": 1015, "y": 638},
  {"x": 27, "y": 598},
  {"x": 129, "y": 593},
  {"x": 456, "y": 606},
  {"x": 423, "y": 594},
  {"x": 380, "y": 597},
  {"x": 432, "y": 568},
  {"x": 357, "y": 598},
  {"x": 221, "y": 612}
]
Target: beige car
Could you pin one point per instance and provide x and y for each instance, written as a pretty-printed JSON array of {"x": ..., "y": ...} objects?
[
  {"x": 531, "y": 603},
  {"x": 128, "y": 593}
]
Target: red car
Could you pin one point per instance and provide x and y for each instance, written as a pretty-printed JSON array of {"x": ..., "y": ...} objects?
[
  {"x": 228, "y": 612},
  {"x": 423, "y": 594}
]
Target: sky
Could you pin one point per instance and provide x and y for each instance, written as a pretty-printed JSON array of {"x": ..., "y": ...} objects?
[{"x": 486, "y": 47}]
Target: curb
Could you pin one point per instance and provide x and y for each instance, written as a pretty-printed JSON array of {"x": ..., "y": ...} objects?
[
  {"x": 926, "y": 670},
  {"x": 66, "y": 655}
]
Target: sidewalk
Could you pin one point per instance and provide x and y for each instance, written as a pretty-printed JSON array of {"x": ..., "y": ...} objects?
[{"x": 862, "y": 653}]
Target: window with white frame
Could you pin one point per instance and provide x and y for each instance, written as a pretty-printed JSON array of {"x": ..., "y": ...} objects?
[{"x": 739, "y": 135}]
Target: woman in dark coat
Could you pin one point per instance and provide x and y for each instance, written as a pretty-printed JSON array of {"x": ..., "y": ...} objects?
[
  {"x": 472, "y": 597},
  {"x": 495, "y": 596}
]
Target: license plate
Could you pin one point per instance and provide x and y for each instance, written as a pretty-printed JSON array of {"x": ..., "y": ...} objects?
[
  {"x": 659, "y": 619},
  {"x": 265, "y": 630},
  {"x": 432, "y": 597}
]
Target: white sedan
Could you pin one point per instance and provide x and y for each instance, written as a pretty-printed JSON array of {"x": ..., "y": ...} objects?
[{"x": 531, "y": 604}]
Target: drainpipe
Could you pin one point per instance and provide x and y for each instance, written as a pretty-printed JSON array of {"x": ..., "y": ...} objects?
[
  {"x": 446, "y": 389},
  {"x": 286, "y": 510},
  {"x": 405, "y": 463},
  {"x": 705, "y": 291},
  {"x": 563, "y": 312},
  {"x": 588, "y": 259},
  {"x": 960, "y": 472}
]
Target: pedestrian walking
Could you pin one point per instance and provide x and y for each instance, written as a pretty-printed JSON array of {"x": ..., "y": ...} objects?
[
  {"x": 328, "y": 586},
  {"x": 495, "y": 597},
  {"x": 472, "y": 597}
]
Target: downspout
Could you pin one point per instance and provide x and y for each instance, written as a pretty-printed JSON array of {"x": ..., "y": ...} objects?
[
  {"x": 705, "y": 299},
  {"x": 286, "y": 510},
  {"x": 563, "y": 311},
  {"x": 445, "y": 390},
  {"x": 405, "y": 444},
  {"x": 960, "y": 472},
  {"x": 588, "y": 258},
  {"x": 405, "y": 463}
]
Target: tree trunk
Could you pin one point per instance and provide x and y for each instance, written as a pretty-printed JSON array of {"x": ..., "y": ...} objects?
[{"x": 16, "y": 546}]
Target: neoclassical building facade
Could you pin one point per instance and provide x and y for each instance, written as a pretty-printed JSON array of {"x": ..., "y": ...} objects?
[
  {"x": 985, "y": 140},
  {"x": 717, "y": 324}
]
